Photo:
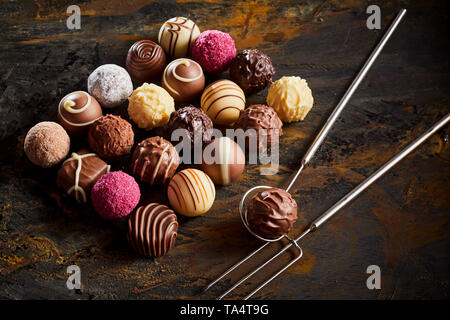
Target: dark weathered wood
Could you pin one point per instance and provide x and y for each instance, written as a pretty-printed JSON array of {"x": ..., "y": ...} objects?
[{"x": 401, "y": 223}]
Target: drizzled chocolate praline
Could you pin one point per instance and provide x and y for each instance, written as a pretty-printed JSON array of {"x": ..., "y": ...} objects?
[{"x": 146, "y": 61}]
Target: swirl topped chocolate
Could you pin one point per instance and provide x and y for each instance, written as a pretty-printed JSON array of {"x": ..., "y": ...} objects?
[
  {"x": 252, "y": 70},
  {"x": 271, "y": 213},
  {"x": 152, "y": 230},
  {"x": 146, "y": 61}
]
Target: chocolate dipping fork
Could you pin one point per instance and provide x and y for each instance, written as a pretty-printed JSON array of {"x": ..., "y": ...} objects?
[{"x": 306, "y": 158}]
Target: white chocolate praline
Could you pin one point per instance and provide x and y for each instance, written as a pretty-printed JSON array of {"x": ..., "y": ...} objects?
[
  {"x": 191, "y": 192},
  {"x": 177, "y": 36},
  {"x": 223, "y": 101},
  {"x": 291, "y": 98}
]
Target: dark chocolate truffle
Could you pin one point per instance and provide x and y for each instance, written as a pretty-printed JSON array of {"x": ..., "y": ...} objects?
[
  {"x": 265, "y": 122},
  {"x": 198, "y": 125},
  {"x": 152, "y": 230},
  {"x": 155, "y": 160},
  {"x": 79, "y": 173},
  {"x": 77, "y": 111},
  {"x": 271, "y": 213},
  {"x": 183, "y": 79},
  {"x": 252, "y": 70},
  {"x": 146, "y": 61},
  {"x": 111, "y": 137}
]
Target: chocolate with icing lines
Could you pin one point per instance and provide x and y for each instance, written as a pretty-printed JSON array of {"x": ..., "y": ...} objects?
[
  {"x": 177, "y": 36},
  {"x": 77, "y": 111},
  {"x": 79, "y": 173},
  {"x": 145, "y": 61}
]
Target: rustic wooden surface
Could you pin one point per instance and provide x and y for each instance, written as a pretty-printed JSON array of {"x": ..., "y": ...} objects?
[{"x": 401, "y": 223}]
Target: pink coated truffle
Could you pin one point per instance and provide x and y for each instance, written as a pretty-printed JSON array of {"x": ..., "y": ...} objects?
[
  {"x": 214, "y": 50},
  {"x": 115, "y": 195}
]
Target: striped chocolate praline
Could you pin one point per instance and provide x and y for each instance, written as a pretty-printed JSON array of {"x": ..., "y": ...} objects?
[
  {"x": 223, "y": 101},
  {"x": 177, "y": 36},
  {"x": 152, "y": 230},
  {"x": 146, "y": 61},
  {"x": 191, "y": 192}
]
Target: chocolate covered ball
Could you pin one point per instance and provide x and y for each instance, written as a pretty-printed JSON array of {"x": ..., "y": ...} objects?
[
  {"x": 198, "y": 125},
  {"x": 110, "y": 84},
  {"x": 46, "y": 144},
  {"x": 155, "y": 160},
  {"x": 111, "y": 137},
  {"x": 266, "y": 125},
  {"x": 223, "y": 160},
  {"x": 152, "y": 230},
  {"x": 177, "y": 36},
  {"x": 252, "y": 70},
  {"x": 183, "y": 79},
  {"x": 146, "y": 61},
  {"x": 77, "y": 111},
  {"x": 271, "y": 213}
]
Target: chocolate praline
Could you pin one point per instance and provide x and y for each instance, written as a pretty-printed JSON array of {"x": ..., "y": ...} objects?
[
  {"x": 252, "y": 70},
  {"x": 183, "y": 79},
  {"x": 155, "y": 160},
  {"x": 77, "y": 111},
  {"x": 198, "y": 125},
  {"x": 271, "y": 213},
  {"x": 146, "y": 61}
]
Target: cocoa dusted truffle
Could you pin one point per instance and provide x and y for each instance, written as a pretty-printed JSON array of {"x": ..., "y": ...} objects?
[
  {"x": 146, "y": 61},
  {"x": 111, "y": 137},
  {"x": 155, "y": 160},
  {"x": 265, "y": 122},
  {"x": 271, "y": 213},
  {"x": 152, "y": 230},
  {"x": 80, "y": 172},
  {"x": 252, "y": 70},
  {"x": 198, "y": 125}
]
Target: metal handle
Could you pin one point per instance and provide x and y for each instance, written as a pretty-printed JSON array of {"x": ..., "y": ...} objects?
[
  {"x": 377, "y": 174},
  {"x": 348, "y": 94}
]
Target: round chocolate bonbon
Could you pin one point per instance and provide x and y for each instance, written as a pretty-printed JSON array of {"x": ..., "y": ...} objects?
[
  {"x": 177, "y": 36},
  {"x": 145, "y": 61},
  {"x": 198, "y": 125}
]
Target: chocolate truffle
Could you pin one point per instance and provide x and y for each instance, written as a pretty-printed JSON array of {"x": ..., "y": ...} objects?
[
  {"x": 150, "y": 106},
  {"x": 145, "y": 61},
  {"x": 266, "y": 125},
  {"x": 152, "y": 230},
  {"x": 77, "y": 111},
  {"x": 79, "y": 173},
  {"x": 46, "y": 144},
  {"x": 291, "y": 98},
  {"x": 110, "y": 84},
  {"x": 252, "y": 70},
  {"x": 198, "y": 125},
  {"x": 223, "y": 160},
  {"x": 177, "y": 36},
  {"x": 111, "y": 137},
  {"x": 155, "y": 160},
  {"x": 191, "y": 192},
  {"x": 183, "y": 79},
  {"x": 271, "y": 213},
  {"x": 222, "y": 101}
]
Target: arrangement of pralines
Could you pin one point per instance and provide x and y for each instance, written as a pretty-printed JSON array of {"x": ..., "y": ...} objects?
[{"x": 86, "y": 174}]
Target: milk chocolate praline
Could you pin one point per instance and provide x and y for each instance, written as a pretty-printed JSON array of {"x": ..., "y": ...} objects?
[
  {"x": 252, "y": 70},
  {"x": 271, "y": 213},
  {"x": 198, "y": 125},
  {"x": 146, "y": 61}
]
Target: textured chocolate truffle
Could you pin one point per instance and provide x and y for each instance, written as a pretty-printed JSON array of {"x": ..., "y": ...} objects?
[
  {"x": 252, "y": 70},
  {"x": 77, "y": 111},
  {"x": 145, "y": 61},
  {"x": 198, "y": 125},
  {"x": 226, "y": 160},
  {"x": 265, "y": 122},
  {"x": 152, "y": 230},
  {"x": 183, "y": 79},
  {"x": 155, "y": 160},
  {"x": 111, "y": 137},
  {"x": 271, "y": 213},
  {"x": 46, "y": 144},
  {"x": 79, "y": 173}
]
